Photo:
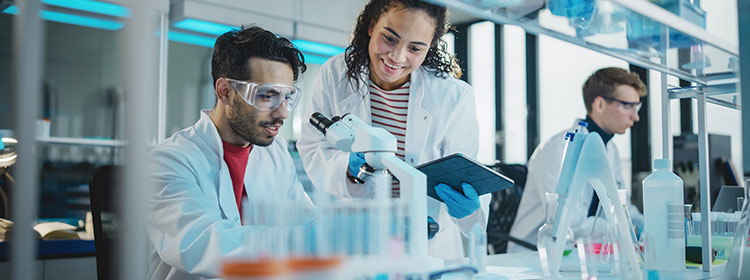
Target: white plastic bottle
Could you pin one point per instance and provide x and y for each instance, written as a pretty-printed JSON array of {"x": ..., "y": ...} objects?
[{"x": 664, "y": 219}]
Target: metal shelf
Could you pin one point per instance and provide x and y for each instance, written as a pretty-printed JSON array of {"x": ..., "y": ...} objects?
[
  {"x": 81, "y": 141},
  {"x": 712, "y": 55},
  {"x": 719, "y": 94}
]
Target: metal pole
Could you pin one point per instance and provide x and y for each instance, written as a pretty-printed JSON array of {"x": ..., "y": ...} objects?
[
  {"x": 28, "y": 39},
  {"x": 666, "y": 131},
  {"x": 743, "y": 17},
  {"x": 704, "y": 187},
  {"x": 163, "y": 57},
  {"x": 140, "y": 88}
]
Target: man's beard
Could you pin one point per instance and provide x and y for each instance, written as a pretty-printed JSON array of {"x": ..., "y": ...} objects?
[{"x": 246, "y": 125}]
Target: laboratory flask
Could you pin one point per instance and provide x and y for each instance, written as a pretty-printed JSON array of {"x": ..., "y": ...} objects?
[
  {"x": 663, "y": 208},
  {"x": 603, "y": 236},
  {"x": 545, "y": 238},
  {"x": 738, "y": 264}
]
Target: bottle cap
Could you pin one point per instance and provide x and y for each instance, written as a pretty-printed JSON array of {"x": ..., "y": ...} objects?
[{"x": 662, "y": 163}]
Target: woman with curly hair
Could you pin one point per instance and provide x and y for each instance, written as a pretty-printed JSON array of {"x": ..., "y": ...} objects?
[{"x": 396, "y": 74}]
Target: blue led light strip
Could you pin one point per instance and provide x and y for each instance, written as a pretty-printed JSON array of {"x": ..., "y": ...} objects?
[
  {"x": 73, "y": 19},
  {"x": 204, "y": 26},
  {"x": 192, "y": 39},
  {"x": 314, "y": 59},
  {"x": 317, "y": 48},
  {"x": 91, "y": 6}
]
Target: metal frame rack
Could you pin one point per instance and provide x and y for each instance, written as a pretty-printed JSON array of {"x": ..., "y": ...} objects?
[
  {"x": 716, "y": 84},
  {"x": 143, "y": 83}
]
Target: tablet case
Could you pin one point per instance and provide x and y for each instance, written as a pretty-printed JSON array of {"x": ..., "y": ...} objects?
[{"x": 454, "y": 169}]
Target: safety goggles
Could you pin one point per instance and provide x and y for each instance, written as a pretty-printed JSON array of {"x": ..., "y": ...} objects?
[
  {"x": 627, "y": 106},
  {"x": 266, "y": 97}
]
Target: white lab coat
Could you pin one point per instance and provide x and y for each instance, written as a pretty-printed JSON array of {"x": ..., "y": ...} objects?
[
  {"x": 195, "y": 222},
  {"x": 441, "y": 120},
  {"x": 544, "y": 168}
]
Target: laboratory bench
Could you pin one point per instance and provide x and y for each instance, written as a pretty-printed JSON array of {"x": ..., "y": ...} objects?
[
  {"x": 58, "y": 259},
  {"x": 526, "y": 266}
]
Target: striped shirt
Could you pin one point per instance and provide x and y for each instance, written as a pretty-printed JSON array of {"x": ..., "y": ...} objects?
[{"x": 388, "y": 110}]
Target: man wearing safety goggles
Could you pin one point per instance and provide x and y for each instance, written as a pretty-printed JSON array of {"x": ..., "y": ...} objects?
[
  {"x": 612, "y": 99},
  {"x": 210, "y": 176}
]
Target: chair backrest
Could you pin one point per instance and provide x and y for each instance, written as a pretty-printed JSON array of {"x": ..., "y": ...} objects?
[
  {"x": 103, "y": 186},
  {"x": 504, "y": 206}
]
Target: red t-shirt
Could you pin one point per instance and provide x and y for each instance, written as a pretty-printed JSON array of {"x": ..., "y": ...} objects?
[{"x": 236, "y": 159}]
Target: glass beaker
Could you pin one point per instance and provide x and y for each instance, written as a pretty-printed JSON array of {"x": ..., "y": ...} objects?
[
  {"x": 688, "y": 221},
  {"x": 738, "y": 264},
  {"x": 587, "y": 257},
  {"x": 545, "y": 238},
  {"x": 603, "y": 236}
]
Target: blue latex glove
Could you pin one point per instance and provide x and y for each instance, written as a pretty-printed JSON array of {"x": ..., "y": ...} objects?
[
  {"x": 459, "y": 205},
  {"x": 356, "y": 160}
]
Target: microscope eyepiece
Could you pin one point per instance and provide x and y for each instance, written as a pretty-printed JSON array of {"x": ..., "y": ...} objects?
[{"x": 320, "y": 122}]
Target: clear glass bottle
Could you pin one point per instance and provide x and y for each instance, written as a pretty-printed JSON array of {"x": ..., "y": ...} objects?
[
  {"x": 478, "y": 248},
  {"x": 545, "y": 239}
]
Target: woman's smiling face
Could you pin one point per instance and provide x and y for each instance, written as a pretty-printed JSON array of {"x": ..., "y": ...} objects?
[{"x": 399, "y": 42}]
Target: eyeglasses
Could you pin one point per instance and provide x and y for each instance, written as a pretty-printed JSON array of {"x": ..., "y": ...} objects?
[
  {"x": 266, "y": 97},
  {"x": 629, "y": 106}
]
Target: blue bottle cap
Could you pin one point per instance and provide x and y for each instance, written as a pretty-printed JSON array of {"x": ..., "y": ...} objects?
[{"x": 583, "y": 123}]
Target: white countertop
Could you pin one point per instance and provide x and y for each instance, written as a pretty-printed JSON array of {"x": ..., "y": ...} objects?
[{"x": 526, "y": 266}]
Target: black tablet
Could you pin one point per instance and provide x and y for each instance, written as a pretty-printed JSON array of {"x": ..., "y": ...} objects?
[{"x": 455, "y": 169}]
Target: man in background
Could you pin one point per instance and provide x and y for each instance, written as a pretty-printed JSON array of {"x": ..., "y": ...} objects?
[{"x": 612, "y": 98}]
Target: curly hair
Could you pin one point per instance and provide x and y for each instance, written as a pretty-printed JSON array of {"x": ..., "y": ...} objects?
[
  {"x": 233, "y": 50},
  {"x": 438, "y": 61}
]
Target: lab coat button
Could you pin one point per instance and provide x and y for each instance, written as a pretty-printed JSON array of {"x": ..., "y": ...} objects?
[
  {"x": 425, "y": 117},
  {"x": 236, "y": 219}
]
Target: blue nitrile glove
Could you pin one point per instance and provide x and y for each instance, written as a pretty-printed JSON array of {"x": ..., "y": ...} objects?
[
  {"x": 459, "y": 205},
  {"x": 356, "y": 160}
]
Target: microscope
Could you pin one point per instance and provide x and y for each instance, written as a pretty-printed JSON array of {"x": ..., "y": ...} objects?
[{"x": 349, "y": 133}]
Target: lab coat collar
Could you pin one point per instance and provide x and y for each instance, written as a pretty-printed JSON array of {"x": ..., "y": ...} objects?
[
  {"x": 207, "y": 130},
  {"x": 419, "y": 119},
  {"x": 210, "y": 134}
]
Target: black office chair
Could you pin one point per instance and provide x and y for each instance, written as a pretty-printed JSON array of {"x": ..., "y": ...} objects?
[
  {"x": 503, "y": 209},
  {"x": 103, "y": 185}
]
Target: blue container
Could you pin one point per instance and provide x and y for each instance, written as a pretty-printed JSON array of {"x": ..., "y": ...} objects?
[
  {"x": 580, "y": 12},
  {"x": 646, "y": 33}
]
